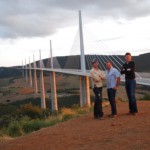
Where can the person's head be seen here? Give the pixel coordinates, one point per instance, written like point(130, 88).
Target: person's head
point(108, 65)
point(128, 57)
point(95, 63)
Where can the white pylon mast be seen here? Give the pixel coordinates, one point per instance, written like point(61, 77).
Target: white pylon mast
point(30, 73)
point(82, 57)
point(26, 72)
point(51, 55)
point(35, 77)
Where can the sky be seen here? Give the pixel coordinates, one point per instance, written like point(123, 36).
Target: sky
point(27, 26)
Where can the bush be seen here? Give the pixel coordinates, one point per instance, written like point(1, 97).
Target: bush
point(146, 97)
point(15, 129)
point(45, 113)
point(81, 111)
point(33, 125)
point(66, 117)
point(29, 110)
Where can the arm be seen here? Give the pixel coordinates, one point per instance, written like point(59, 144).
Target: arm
point(102, 76)
point(123, 71)
point(132, 67)
point(95, 77)
point(117, 83)
point(117, 74)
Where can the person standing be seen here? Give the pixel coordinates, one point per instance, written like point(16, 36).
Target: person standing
point(128, 69)
point(113, 80)
point(97, 76)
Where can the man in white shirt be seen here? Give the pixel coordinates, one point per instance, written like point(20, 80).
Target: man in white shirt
point(113, 80)
point(97, 77)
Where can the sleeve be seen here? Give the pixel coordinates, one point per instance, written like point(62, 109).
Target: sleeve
point(132, 68)
point(102, 76)
point(123, 71)
point(117, 73)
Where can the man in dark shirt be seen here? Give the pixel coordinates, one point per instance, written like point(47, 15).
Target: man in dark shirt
point(129, 70)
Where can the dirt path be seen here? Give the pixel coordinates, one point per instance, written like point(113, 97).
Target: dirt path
point(124, 132)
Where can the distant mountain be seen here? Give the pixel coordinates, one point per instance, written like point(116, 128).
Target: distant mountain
point(142, 62)
point(73, 62)
point(6, 72)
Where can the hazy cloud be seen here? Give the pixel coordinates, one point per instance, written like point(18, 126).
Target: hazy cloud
point(37, 18)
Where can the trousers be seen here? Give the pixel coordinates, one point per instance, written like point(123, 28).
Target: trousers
point(98, 102)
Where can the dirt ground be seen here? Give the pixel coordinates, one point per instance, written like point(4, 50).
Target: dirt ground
point(125, 132)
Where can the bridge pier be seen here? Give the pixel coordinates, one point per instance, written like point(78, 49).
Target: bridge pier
point(53, 92)
point(30, 74)
point(35, 83)
point(43, 103)
point(35, 77)
point(30, 77)
point(84, 91)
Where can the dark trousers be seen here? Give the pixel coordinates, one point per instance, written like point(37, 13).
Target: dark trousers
point(130, 89)
point(98, 102)
point(111, 96)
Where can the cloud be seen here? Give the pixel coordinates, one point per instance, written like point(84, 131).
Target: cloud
point(39, 18)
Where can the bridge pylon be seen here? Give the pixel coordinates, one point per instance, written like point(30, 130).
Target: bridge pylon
point(53, 84)
point(84, 81)
point(42, 89)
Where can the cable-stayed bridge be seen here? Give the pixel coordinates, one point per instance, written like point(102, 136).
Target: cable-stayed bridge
point(78, 63)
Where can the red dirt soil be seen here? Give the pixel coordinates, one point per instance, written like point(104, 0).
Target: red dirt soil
point(125, 132)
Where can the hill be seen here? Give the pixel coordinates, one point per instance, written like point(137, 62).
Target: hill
point(86, 133)
point(6, 72)
point(70, 62)
point(73, 62)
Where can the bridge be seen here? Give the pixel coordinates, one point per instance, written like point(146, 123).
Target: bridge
point(80, 66)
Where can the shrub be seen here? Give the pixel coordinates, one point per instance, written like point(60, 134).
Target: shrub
point(15, 129)
point(81, 111)
point(146, 97)
point(29, 110)
point(66, 117)
point(33, 125)
point(45, 113)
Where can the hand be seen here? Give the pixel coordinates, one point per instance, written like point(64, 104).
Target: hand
point(115, 88)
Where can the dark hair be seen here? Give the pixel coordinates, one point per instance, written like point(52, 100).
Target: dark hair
point(128, 54)
point(108, 61)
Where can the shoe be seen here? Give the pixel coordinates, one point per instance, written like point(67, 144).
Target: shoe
point(135, 114)
point(101, 118)
point(112, 116)
point(132, 113)
point(129, 113)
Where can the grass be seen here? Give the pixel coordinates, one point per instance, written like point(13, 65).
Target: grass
point(22, 117)
point(26, 125)
point(146, 97)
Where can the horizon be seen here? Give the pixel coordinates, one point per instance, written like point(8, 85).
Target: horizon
point(68, 56)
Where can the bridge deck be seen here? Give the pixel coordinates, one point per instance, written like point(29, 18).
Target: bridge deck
point(142, 81)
